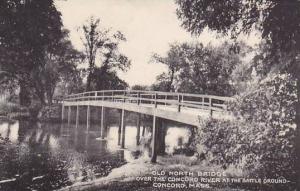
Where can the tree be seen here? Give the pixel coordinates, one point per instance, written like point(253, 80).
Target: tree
point(277, 21)
point(102, 45)
point(163, 83)
point(140, 87)
point(193, 68)
point(28, 30)
point(61, 66)
point(172, 61)
point(103, 79)
point(93, 40)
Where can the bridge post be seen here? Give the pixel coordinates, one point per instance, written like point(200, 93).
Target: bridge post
point(62, 112)
point(145, 126)
point(88, 112)
point(77, 116)
point(155, 97)
point(69, 115)
point(138, 131)
point(179, 102)
point(103, 125)
point(143, 131)
point(210, 107)
point(124, 96)
point(120, 129)
point(139, 98)
point(154, 141)
point(166, 97)
point(123, 129)
point(161, 136)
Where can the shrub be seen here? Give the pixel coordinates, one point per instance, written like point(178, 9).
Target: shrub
point(260, 140)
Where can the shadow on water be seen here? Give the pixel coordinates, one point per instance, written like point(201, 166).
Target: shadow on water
point(38, 156)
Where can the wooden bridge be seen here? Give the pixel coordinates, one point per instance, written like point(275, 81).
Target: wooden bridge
point(181, 107)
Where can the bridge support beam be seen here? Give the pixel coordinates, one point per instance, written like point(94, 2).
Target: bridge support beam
point(77, 116)
point(103, 122)
point(154, 140)
point(161, 136)
point(120, 128)
point(210, 107)
point(138, 130)
point(123, 125)
point(88, 117)
point(62, 112)
point(69, 115)
point(143, 131)
point(144, 126)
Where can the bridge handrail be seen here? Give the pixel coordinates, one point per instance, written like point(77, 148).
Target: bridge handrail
point(161, 92)
point(202, 101)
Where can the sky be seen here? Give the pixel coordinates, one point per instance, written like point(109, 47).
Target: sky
point(150, 26)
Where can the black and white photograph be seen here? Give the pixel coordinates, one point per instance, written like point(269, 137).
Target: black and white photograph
point(149, 95)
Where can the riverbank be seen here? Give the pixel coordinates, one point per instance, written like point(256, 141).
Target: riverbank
point(14, 111)
point(141, 175)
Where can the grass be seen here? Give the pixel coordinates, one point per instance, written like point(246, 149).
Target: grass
point(125, 177)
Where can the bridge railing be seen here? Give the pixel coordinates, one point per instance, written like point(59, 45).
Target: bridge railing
point(155, 99)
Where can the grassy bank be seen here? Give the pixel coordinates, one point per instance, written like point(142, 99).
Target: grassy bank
point(33, 112)
point(127, 177)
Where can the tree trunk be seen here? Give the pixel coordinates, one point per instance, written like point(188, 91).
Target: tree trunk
point(50, 98)
point(88, 82)
point(171, 81)
point(50, 93)
point(42, 98)
point(24, 94)
point(40, 92)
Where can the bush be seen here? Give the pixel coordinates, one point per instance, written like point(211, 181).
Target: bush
point(50, 113)
point(261, 139)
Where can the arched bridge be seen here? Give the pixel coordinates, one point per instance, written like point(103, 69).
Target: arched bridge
point(181, 107)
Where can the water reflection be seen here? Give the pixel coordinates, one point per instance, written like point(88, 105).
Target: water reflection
point(176, 139)
point(49, 156)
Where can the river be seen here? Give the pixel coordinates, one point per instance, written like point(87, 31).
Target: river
point(49, 156)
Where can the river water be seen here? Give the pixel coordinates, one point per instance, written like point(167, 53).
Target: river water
point(49, 156)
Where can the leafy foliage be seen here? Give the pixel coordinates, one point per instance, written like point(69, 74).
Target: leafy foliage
point(102, 45)
point(35, 50)
point(278, 21)
point(107, 80)
point(140, 87)
point(261, 139)
point(275, 107)
point(194, 68)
